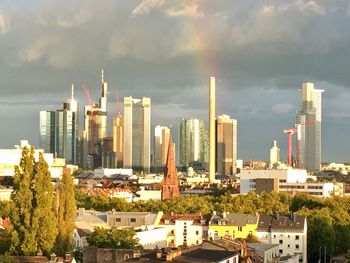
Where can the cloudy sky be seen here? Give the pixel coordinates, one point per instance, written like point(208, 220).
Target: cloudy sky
point(260, 52)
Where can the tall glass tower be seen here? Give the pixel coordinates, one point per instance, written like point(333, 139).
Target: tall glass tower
point(47, 131)
point(67, 130)
point(309, 118)
point(137, 133)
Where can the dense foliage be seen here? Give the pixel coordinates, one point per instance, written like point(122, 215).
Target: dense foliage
point(33, 224)
point(38, 220)
point(65, 213)
point(113, 238)
point(328, 218)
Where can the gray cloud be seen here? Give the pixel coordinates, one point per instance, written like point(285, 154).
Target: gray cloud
point(259, 51)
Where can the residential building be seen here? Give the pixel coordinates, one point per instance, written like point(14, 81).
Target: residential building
point(265, 253)
point(161, 143)
point(185, 230)
point(137, 132)
point(289, 232)
point(274, 155)
point(309, 119)
point(232, 225)
point(145, 224)
point(226, 145)
point(193, 141)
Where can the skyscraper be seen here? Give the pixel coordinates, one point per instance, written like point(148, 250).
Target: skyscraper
point(212, 129)
point(161, 143)
point(137, 133)
point(193, 141)
point(118, 139)
point(95, 124)
point(274, 155)
point(309, 118)
point(226, 145)
point(67, 130)
point(47, 131)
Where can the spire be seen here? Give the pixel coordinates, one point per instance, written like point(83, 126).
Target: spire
point(102, 77)
point(72, 97)
point(170, 186)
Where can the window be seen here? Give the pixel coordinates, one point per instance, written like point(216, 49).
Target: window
point(239, 229)
point(226, 233)
point(172, 232)
point(133, 220)
point(281, 251)
point(197, 232)
point(297, 246)
point(118, 220)
point(288, 245)
point(281, 241)
point(274, 236)
point(297, 237)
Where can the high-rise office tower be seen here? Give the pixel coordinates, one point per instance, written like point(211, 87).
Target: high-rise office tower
point(118, 139)
point(309, 118)
point(274, 155)
point(95, 124)
point(67, 130)
point(47, 131)
point(211, 129)
point(161, 143)
point(193, 141)
point(137, 133)
point(226, 145)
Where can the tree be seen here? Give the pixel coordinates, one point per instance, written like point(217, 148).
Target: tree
point(66, 213)
point(113, 238)
point(23, 231)
point(44, 216)
point(33, 224)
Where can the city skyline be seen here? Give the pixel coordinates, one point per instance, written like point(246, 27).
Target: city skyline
point(258, 75)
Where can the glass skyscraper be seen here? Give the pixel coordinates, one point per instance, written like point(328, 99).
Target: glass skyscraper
point(47, 131)
point(137, 133)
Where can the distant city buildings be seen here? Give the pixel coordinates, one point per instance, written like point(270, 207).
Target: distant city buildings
point(193, 141)
point(309, 118)
point(161, 144)
point(226, 145)
point(59, 130)
point(274, 155)
point(118, 139)
point(137, 133)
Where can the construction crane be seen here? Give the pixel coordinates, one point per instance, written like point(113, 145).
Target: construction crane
point(290, 132)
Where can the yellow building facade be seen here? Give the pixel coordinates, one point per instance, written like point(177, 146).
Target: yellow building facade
point(232, 225)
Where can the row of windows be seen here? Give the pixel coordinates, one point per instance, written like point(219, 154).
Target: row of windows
point(118, 220)
point(281, 235)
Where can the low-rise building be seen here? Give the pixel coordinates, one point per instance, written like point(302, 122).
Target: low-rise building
point(145, 224)
point(232, 225)
point(9, 158)
point(185, 230)
point(289, 180)
point(289, 232)
point(265, 253)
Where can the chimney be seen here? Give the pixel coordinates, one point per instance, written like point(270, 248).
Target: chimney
point(81, 211)
point(67, 256)
point(224, 215)
point(53, 257)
